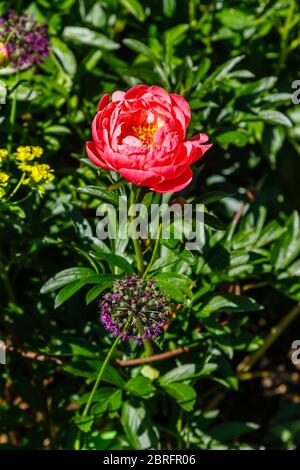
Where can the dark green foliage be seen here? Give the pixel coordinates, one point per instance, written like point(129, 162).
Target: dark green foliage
point(234, 61)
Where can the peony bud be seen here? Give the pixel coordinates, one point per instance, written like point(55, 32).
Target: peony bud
point(4, 55)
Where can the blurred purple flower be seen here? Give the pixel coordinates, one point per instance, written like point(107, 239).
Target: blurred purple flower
point(134, 309)
point(26, 41)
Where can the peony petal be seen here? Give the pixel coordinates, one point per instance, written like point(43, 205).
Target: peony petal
point(194, 147)
point(175, 184)
point(140, 177)
point(132, 141)
point(182, 104)
point(158, 93)
point(95, 156)
point(103, 102)
point(135, 92)
point(118, 95)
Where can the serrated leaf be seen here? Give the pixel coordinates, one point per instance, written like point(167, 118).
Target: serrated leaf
point(140, 386)
point(184, 394)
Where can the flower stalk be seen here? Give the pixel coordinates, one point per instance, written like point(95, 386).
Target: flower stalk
point(136, 243)
point(95, 388)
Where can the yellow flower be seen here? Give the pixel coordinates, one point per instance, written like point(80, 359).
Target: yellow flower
point(28, 153)
point(3, 179)
point(42, 173)
point(3, 155)
point(23, 166)
point(37, 175)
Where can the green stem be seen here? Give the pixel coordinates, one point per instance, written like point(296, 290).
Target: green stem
point(90, 260)
point(17, 187)
point(155, 249)
point(23, 199)
point(148, 348)
point(95, 387)
point(136, 244)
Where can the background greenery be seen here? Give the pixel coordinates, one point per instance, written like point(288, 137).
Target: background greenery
point(234, 61)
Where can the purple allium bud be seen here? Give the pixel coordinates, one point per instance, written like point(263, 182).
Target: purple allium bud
point(27, 42)
point(134, 309)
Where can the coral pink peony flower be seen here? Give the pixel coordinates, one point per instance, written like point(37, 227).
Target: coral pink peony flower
point(141, 135)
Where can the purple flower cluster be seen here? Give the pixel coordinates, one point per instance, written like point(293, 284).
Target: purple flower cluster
point(134, 309)
point(26, 41)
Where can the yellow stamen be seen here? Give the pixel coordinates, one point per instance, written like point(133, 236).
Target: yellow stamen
point(145, 133)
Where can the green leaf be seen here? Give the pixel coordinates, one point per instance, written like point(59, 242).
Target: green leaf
point(270, 233)
point(140, 386)
point(273, 140)
point(100, 440)
point(163, 262)
point(84, 423)
point(287, 247)
point(213, 222)
point(212, 196)
point(65, 56)
point(106, 399)
point(70, 289)
point(95, 291)
point(187, 371)
point(289, 287)
point(257, 87)
point(114, 260)
point(57, 130)
point(115, 401)
point(294, 269)
point(175, 35)
point(226, 303)
point(224, 69)
point(184, 394)
point(237, 138)
point(108, 196)
point(225, 432)
point(175, 286)
point(99, 396)
point(236, 19)
point(141, 48)
point(169, 7)
point(87, 161)
point(80, 35)
point(65, 277)
point(179, 249)
point(90, 368)
point(140, 431)
point(273, 117)
point(135, 8)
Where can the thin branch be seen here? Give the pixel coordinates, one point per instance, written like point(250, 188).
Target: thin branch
point(249, 361)
point(154, 357)
point(34, 356)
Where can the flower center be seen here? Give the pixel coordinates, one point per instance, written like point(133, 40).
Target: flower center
point(145, 133)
